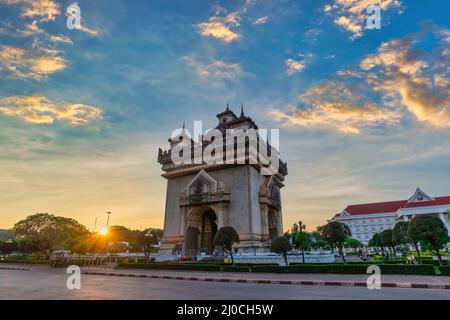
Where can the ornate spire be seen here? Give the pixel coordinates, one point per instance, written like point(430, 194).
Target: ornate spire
point(242, 110)
point(228, 106)
point(184, 124)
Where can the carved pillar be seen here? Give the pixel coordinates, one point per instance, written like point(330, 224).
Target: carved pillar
point(183, 221)
point(264, 209)
point(279, 223)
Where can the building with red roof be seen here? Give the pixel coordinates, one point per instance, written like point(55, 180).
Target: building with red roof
point(364, 220)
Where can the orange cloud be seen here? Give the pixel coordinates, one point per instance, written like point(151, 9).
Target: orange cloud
point(333, 106)
point(44, 10)
point(218, 29)
point(21, 63)
point(404, 77)
point(38, 109)
point(408, 76)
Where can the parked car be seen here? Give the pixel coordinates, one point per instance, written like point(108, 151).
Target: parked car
point(59, 258)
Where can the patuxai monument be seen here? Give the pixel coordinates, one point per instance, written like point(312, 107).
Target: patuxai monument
point(234, 189)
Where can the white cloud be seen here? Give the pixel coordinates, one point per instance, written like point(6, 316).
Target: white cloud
point(298, 64)
point(294, 66)
point(261, 20)
point(216, 69)
point(222, 25)
point(60, 38)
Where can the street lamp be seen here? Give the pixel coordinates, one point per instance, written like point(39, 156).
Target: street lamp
point(148, 238)
point(107, 221)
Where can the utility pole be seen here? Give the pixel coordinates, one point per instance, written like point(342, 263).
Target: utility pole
point(107, 221)
point(95, 224)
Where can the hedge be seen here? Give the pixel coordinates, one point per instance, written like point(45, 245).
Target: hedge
point(309, 268)
point(422, 269)
point(236, 269)
point(241, 264)
point(445, 270)
point(349, 269)
point(435, 262)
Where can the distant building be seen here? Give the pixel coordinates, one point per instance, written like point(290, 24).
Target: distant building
point(364, 220)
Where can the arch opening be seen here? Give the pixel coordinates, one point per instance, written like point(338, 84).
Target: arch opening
point(200, 232)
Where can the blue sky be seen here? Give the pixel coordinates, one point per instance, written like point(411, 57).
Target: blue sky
point(364, 114)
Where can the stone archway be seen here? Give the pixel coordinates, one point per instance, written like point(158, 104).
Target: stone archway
point(200, 232)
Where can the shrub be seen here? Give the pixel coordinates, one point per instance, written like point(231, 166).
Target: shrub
point(241, 264)
point(445, 270)
point(348, 269)
point(422, 269)
point(236, 269)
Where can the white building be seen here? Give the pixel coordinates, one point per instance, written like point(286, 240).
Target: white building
point(364, 220)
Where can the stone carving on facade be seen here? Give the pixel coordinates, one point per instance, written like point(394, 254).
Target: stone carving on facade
point(269, 193)
point(203, 189)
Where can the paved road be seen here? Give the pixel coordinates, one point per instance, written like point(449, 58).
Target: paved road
point(392, 278)
point(46, 283)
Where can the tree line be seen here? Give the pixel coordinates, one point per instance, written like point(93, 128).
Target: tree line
point(429, 231)
point(41, 233)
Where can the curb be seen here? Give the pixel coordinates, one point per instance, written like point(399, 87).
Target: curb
point(293, 282)
point(14, 268)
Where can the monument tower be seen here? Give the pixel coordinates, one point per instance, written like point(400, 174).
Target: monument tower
point(201, 198)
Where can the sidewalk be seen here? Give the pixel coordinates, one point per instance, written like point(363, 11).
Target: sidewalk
point(360, 280)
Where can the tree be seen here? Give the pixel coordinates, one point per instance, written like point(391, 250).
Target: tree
point(400, 232)
point(337, 232)
point(375, 241)
point(281, 245)
point(400, 236)
point(317, 241)
point(225, 238)
point(7, 247)
point(49, 231)
point(353, 243)
point(387, 240)
point(431, 229)
point(27, 245)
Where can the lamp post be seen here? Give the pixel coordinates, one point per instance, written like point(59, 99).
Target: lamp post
point(148, 238)
point(107, 229)
point(107, 221)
